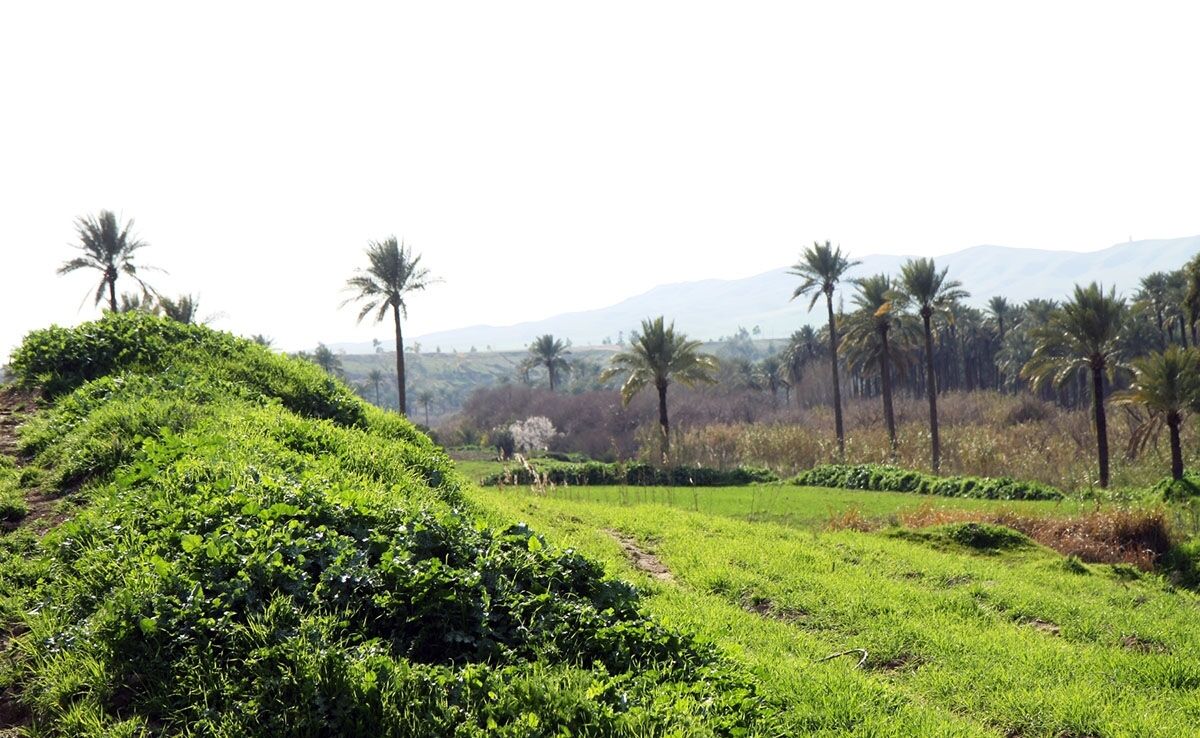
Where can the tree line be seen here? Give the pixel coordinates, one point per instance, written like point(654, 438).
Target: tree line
point(909, 332)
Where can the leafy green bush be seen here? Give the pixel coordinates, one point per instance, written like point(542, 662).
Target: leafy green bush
point(882, 478)
point(1173, 490)
point(984, 536)
point(635, 474)
point(258, 558)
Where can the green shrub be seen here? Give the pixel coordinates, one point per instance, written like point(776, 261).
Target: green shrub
point(261, 555)
point(1173, 490)
point(984, 536)
point(882, 478)
point(593, 473)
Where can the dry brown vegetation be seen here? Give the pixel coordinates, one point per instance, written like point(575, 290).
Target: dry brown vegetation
point(983, 434)
point(1138, 537)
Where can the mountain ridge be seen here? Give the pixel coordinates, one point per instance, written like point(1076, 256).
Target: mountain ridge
point(712, 307)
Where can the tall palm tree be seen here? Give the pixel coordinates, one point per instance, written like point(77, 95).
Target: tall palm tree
point(1002, 312)
point(1168, 385)
point(393, 273)
point(771, 376)
point(375, 377)
point(822, 266)
point(869, 337)
point(929, 293)
point(109, 248)
point(551, 353)
point(1083, 335)
point(660, 356)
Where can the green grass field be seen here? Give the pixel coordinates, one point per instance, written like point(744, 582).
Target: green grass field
point(960, 642)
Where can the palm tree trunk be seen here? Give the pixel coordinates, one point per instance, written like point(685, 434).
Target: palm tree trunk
point(399, 360)
point(931, 391)
point(426, 414)
point(112, 295)
point(550, 372)
point(664, 425)
point(885, 371)
point(1176, 447)
point(1183, 333)
point(837, 388)
point(1101, 422)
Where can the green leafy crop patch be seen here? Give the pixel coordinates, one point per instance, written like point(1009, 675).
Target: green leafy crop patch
point(262, 554)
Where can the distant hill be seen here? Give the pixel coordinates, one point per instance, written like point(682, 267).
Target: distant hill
point(711, 308)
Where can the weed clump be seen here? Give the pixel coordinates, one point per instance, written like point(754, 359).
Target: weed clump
point(883, 478)
point(261, 554)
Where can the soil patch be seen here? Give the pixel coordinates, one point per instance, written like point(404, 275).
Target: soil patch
point(642, 559)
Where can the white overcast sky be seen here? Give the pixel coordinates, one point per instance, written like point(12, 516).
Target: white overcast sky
point(556, 156)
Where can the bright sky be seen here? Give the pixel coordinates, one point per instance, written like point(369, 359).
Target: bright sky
point(556, 156)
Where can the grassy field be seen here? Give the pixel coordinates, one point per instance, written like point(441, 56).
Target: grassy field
point(779, 503)
point(1019, 642)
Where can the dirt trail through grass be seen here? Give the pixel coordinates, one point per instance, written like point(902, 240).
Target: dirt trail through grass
point(15, 406)
point(641, 559)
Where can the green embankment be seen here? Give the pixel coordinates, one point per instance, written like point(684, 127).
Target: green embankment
point(249, 550)
point(1013, 640)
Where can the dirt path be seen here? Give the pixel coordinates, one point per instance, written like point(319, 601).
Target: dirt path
point(644, 561)
point(15, 406)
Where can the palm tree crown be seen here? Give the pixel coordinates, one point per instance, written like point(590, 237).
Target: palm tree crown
point(108, 248)
point(551, 353)
point(658, 357)
point(393, 273)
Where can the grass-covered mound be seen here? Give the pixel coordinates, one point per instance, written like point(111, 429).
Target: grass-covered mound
point(881, 478)
point(260, 554)
point(1178, 490)
point(593, 473)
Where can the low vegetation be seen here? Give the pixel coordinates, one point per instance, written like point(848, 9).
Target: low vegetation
point(543, 472)
point(260, 553)
point(977, 632)
point(880, 478)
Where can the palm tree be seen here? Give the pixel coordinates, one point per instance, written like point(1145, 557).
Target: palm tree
point(262, 340)
point(393, 273)
point(1168, 385)
point(327, 360)
point(868, 337)
point(375, 377)
point(803, 347)
point(822, 266)
point(182, 310)
point(1154, 293)
point(1001, 311)
point(109, 249)
point(660, 356)
point(551, 353)
point(1082, 335)
point(425, 397)
point(929, 292)
point(771, 375)
point(132, 302)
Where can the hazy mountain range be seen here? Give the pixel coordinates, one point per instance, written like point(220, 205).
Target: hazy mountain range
point(711, 308)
